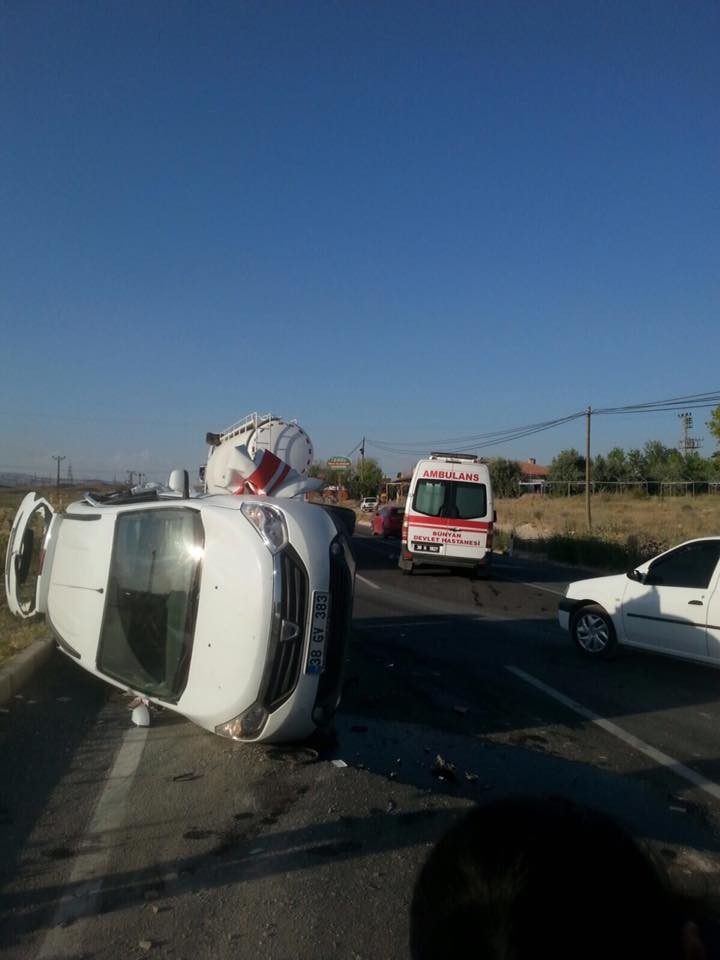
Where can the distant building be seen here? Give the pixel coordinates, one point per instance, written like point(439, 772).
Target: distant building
point(396, 489)
point(534, 476)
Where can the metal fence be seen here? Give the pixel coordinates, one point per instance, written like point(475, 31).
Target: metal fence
point(656, 488)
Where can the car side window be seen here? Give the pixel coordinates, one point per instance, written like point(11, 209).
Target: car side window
point(691, 566)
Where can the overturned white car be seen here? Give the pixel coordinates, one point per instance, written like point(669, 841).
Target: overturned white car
point(233, 610)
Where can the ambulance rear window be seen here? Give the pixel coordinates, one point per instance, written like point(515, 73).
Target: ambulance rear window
point(455, 499)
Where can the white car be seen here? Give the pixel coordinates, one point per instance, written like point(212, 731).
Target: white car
point(368, 505)
point(670, 605)
point(231, 610)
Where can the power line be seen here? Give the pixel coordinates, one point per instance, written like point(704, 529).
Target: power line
point(493, 438)
point(478, 442)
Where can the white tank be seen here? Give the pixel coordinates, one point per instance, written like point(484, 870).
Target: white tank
point(285, 438)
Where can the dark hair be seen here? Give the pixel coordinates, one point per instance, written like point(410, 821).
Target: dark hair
point(526, 877)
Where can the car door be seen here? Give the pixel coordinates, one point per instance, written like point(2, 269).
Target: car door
point(23, 561)
point(713, 615)
point(667, 611)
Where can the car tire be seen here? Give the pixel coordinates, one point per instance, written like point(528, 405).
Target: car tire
point(407, 571)
point(593, 632)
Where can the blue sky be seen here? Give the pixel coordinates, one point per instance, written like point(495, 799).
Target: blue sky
point(403, 220)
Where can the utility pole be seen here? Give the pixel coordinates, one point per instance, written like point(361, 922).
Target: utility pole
point(588, 515)
point(362, 461)
point(688, 443)
point(55, 457)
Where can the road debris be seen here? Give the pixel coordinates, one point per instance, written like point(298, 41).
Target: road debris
point(140, 715)
point(145, 945)
point(443, 769)
point(338, 763)
point(471, 777)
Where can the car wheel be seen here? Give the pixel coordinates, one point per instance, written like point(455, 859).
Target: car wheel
point(593, 632)
point(407, 571)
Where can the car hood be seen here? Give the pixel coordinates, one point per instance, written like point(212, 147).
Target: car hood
point(233, 622)
point(595, 587)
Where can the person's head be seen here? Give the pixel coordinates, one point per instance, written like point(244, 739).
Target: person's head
point(523, 877)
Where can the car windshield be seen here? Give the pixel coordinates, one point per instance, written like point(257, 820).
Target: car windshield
point(461, 501)
point(149, 621)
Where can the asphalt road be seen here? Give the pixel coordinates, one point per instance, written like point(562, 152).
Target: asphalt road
point(117, 842)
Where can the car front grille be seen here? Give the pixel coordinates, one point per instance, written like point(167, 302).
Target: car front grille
point(292, 592)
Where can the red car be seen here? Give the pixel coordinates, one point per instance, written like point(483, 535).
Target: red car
point(387, 522)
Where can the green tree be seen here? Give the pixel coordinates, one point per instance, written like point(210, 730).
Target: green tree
point(713, 424)
point(663, 463)
point(697, 468)
point(364, 481)
point(505, 476)
point(636, 465)
point(617, 465)
point(567, 465)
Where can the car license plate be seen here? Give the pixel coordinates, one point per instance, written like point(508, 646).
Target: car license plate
point(318, 632)
point(426, 547)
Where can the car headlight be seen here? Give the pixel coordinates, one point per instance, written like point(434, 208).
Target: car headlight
point(269, 523)
point(246, 726)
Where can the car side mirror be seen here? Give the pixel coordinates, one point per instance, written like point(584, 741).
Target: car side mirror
point(636, 575)
point(179, 482)
point(494, 516)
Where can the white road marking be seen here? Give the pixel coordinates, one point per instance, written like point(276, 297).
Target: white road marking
point(90, 867)
point(537, 586)
point(368, 583)
point(696, 779)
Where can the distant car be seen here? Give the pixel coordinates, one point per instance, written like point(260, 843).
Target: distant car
point(387, 522)
point(231, 610)
point(670, 605)
point(368, 504)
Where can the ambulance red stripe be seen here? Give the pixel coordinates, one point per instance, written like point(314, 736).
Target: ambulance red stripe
point(439, 522)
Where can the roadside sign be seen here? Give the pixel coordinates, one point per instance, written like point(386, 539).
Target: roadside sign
point(339, 463)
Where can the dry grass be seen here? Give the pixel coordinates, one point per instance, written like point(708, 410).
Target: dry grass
point(666, 520)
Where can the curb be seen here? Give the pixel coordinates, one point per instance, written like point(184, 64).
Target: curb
point(20, 668)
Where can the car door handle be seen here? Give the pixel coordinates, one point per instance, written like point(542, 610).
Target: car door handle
point(695, 603)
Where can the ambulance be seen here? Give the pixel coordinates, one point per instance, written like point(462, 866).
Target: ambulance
point(449, 514)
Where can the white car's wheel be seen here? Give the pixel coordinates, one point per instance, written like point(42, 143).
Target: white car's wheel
point(593, 632)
